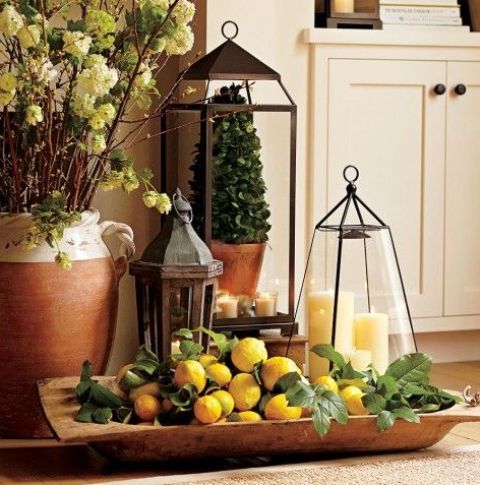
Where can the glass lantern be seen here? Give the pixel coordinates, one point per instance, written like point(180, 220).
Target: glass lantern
point(353, 292)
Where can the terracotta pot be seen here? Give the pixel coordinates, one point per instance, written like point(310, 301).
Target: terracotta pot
point(51, 320)
point(242, 265)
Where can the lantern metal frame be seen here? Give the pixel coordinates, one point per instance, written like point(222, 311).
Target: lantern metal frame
point(230, 62)
point(353, 231)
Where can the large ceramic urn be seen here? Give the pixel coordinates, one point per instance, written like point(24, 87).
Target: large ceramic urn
point(52, 319)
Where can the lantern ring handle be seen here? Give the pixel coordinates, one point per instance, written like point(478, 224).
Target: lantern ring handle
point(354, 178)
point(190, 211)
point(231, 37)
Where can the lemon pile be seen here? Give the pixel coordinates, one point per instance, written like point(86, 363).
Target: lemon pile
point(242, 387)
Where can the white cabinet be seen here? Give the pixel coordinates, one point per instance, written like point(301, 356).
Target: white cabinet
point(373, 104)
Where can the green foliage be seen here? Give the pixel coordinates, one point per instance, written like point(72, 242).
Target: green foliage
point(239, 210)
point(402, 393)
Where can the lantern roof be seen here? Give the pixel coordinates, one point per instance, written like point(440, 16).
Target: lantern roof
point(178, 244)
point(229, 61)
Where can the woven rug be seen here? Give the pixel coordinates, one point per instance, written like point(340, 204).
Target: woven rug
point(454, 466)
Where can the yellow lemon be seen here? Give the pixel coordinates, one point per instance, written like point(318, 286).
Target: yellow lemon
point(349, 391)
point(152, 388)
point(207, 359)
point(278, 408)
point(274, 368)
point(221, 421)
point(248, 352)
point(190, 372)
point(147, 407)
point(245, 391)
point(226, 401)
point(207, 409)
point(355, 405)
point(219, 373)
point(327, 382)
point(251, 416)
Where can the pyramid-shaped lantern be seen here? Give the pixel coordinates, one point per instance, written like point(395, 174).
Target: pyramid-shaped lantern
point(353, 295)
point(193, 127)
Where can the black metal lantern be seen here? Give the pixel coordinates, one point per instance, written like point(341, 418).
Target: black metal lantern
point(182, 121)
point(175, 282)
point(353, 294)
point(354, 14)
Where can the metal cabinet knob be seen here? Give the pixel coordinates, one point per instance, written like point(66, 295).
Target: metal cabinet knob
point(439, 89)
point(460, 89)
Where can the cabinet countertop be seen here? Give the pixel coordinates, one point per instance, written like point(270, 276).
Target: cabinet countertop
point(396, 38)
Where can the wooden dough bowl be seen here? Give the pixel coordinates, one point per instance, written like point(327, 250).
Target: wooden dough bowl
point(266, 438)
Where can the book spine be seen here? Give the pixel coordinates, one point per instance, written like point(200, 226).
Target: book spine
point(420, 3)
point(428, 28)
point(420, 19)
point(414, 10)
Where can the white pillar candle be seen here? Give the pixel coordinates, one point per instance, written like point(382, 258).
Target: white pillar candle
point(228, 306)
point(320, 320)
point(266, 304)
point(360, 359)
point(344, 6)
point(175, 347)
point(371, 333)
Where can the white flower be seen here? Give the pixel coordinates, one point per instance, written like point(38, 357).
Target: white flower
point(6, 98)
point(34, 114)
point(29, 36)
point(8, 82)
point(164, 204)
point(94, 60)
point(41, 68)
point(180, 41)
point(96, 81)
point(183, 12)
point(158, 44)
point(106, 112)
point(143, 79)
point(150, 198)
point(10, 21)
point(76, 43)
point(96, 122)
point(84, 106)
point(98, 143)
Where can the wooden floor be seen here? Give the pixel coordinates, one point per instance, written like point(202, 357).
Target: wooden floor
point(45, 462)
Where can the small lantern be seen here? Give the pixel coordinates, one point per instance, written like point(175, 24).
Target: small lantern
point(175, 281)
point(270, 304)
point(354, 14)
point(353, 292)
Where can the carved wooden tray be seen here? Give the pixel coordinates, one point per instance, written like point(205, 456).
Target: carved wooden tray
point(141, 444)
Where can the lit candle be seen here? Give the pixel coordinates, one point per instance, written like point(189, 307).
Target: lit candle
point(266, 304)
point(371, 333)
point(228, 306)
point(344, 6)
point(320, 319)
point(360, 359)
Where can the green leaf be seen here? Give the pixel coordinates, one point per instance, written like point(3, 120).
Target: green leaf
point(321, 420)
point(146, 365)
point(185, 333)
point(286, 381)
point(263, 402)
point(86, 371)
point(104, 397)
point(407, 414)
point(357, 382)
point(82, 391)
point(84, 414)
point(144, 354)
point(385, 420)
point(301, 395)
point(184, 397)
point(335, 406)
point(328, 352)
point(411, 368)
point(131, 380)
point(386, 385)
point(102, 415)
point(190, 349)
point(375, 403)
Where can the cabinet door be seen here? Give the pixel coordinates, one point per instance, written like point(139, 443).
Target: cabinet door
point(462, 232)
point(385, 118)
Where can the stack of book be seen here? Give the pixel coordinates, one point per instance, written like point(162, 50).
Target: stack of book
point(422, 15)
